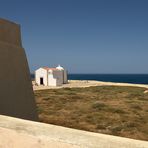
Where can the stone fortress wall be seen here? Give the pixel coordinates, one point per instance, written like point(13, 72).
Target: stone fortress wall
point(18, 133)
point(16, 94)
point(10, 33)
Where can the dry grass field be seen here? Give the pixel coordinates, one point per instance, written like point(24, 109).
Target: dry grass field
point(115, 110)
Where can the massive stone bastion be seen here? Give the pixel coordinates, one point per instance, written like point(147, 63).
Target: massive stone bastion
point(16, 94)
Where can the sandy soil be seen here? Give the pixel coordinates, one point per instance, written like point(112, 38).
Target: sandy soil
point(86, 83)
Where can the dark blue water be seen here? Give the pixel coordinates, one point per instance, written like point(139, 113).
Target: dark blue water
point(121, 78)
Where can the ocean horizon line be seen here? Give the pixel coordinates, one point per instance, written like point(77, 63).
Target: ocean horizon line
point(108, 73)
point(104, 73)
point(118, 78)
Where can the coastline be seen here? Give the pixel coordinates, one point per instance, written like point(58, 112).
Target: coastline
point(87, 83)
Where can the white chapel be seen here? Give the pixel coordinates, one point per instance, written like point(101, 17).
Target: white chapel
point(51, 76)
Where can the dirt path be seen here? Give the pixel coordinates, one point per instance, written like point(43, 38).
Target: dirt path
point(87, 83)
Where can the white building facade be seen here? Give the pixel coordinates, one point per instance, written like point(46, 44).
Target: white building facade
point(51, 76)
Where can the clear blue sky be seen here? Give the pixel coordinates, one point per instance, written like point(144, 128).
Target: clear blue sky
point(85, 36)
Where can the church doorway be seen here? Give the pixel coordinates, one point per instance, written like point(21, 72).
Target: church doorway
point(41, 81)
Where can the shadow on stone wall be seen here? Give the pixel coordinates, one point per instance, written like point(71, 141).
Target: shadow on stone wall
point(16, 94)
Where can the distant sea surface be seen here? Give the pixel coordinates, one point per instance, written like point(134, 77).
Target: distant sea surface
point(121, 78)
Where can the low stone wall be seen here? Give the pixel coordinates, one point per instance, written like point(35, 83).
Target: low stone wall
point(18, 133)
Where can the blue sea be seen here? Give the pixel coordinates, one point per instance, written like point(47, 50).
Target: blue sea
point(121, 78)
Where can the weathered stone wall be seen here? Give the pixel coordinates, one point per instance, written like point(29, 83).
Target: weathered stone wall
point(16, 94)
point(17, 133)
point(10, 32)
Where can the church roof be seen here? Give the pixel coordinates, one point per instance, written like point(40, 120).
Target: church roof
point(47, 68)
point(59, 67)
